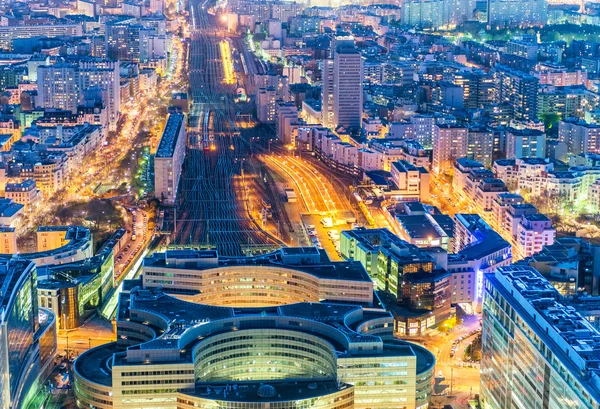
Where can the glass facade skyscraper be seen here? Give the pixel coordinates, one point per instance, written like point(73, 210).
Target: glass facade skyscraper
point(536, 351)
point(20, 331)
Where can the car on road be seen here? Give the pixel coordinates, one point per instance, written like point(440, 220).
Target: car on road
point(327, 222)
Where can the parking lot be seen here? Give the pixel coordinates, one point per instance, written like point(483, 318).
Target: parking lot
point(324, 235)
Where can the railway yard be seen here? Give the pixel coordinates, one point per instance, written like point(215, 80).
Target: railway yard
point(232, 191)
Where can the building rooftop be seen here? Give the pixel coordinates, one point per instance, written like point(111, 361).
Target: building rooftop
point(506, 162)
point(526, 132)
point(27, 184)
point(572, 339)
point(170, 135)
point(182, 318)
point(445, 222)
point(534, 161)
point(471, 221)
point(536, 217)
point(9, 208)
point(95, 363)
point(467, 164)
point(80, 239)
point(379, 177)
point(318, 264)
point(11, 272)
point(418, 226)
point(404, 166)
point(271, 391)
point(489, 242)
point(564, 175)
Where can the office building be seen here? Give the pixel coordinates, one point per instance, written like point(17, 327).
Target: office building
point(28, 334)
point(286, 335)
point(265, 105)
point(405, 275)
point(411, 181)
point(537, 350)
point(424, 226)
point(478, 250)
point(58, 86)
point(411, 282)
point(480, 145)
point(509, 13)
point(462, 170)
point(123, 40)
point(25, 193)
point(570, 264)
point(519, 90)
point(327, 95)
point(579, 136)
point(9, 33)
point(450, 142)
point(169, 157)
point(423, 127)
point(534, 231)
point(191, 274)
point(525, 143)
point(348, 87)
point(74, 291)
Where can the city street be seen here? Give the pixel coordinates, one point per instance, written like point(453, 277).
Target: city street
point(463, 377)
point(95, 332)
point(318, 198)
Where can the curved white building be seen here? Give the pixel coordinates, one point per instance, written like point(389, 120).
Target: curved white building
point(291, 275)
point(175, 354)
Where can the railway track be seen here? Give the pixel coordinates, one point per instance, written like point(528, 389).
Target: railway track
point(212, 209)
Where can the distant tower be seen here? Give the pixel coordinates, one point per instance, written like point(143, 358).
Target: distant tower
point(348, 88)
point(327, 94)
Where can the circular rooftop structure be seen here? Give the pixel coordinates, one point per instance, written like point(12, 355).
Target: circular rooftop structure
point(266, 391)
point(196, 355)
